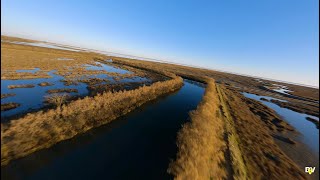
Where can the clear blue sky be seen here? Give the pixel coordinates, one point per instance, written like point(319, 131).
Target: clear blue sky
point(276, 39)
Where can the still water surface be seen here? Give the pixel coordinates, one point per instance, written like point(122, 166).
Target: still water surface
point(308, 130)
point(33, 98)
point(137, 146)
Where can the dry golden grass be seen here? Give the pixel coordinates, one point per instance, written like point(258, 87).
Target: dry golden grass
point(136, 72)
point(45, 84)
point(7, 95)
point(262, 156)
point(21, 57)
point(242, 81)
point(10, 38)
point(235, 161)
point(225, 140)
point(79, 71)
point(200, 142)
point(21, 86)
point(62, 90)
point(12, 75)
point(100, 88)
point(40, 130)
point(57, 99)
point(8, 106)
point(17, 57)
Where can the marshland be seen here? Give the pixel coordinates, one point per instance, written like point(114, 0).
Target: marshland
point(71, 113)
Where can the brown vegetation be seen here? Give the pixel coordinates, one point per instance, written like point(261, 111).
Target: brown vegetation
point(15, 57)
point(43, 129)
point(100, 88)
point(21, 86)
point(262, 157)
point(297, 105)
point(62, 90)
point(13, 75)
point(307, 92)
point(289, 94)
point(68, 82)
point(93, 81)
point(57, 99)
point(314, 121)
point(7, 95)
point(200, 142)
point(8, 106)
point(10, 38)
point(301, 108)
point(267, 116)
point(249, 150)
point(284, 139)
point(229, 136)
point(45, 84)
point(242, 83)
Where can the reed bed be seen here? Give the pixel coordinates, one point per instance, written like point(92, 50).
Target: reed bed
point(40, 130)
point(7, 95)
point(21, 86)
point(225, 140)
point(200, 142)
point(12, 75)
point(262, 157)
point(62, 90)
point(45, 84)
point(8, 106)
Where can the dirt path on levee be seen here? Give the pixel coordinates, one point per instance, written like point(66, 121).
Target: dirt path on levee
point(251, 151)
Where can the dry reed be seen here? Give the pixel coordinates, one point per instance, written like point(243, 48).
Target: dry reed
point(40, 130)
point(200, 142)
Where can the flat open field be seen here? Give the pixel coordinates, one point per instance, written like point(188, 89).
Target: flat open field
point(138, 119)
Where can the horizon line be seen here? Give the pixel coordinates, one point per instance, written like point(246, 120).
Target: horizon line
point(169, 62)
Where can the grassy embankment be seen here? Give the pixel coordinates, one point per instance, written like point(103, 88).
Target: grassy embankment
point(225, 140)
point(209, 142)
point(264, 159)
point(40, 130)
point(200, 142)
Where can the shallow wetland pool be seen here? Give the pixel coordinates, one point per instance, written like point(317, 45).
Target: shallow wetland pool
point(308, 130)
point(33, 98)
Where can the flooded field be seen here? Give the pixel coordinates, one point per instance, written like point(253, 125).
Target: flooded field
point(308, 130)
point(137, 146)
point(33, 97)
